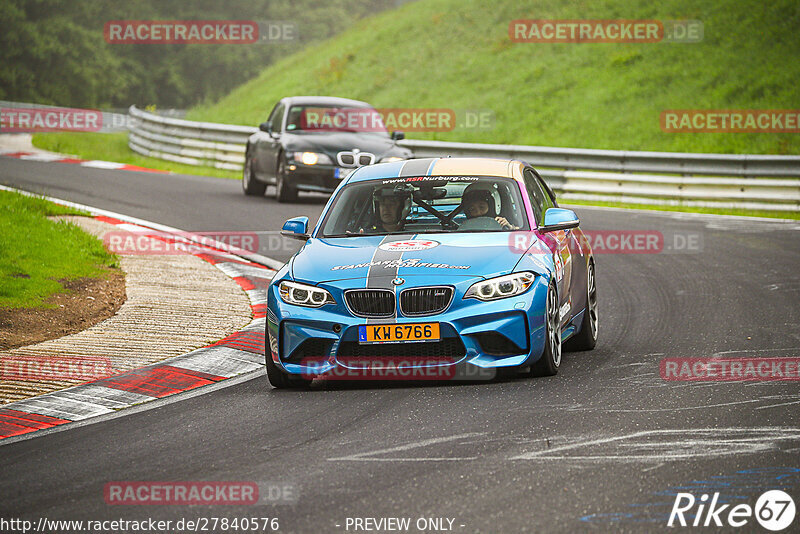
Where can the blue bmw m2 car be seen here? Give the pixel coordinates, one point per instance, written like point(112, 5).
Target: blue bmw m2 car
point(433, 265)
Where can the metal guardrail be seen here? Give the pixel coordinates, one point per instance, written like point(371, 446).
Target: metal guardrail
point(193, 143)
point(764, 182)
point(622, 160)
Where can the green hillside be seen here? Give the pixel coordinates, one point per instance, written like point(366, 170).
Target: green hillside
point(457, 54)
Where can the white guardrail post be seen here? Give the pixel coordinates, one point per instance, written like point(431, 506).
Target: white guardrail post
point(762, 182)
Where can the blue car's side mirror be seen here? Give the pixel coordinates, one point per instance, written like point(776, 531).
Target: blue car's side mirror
point(559, 219)
point(296, 228)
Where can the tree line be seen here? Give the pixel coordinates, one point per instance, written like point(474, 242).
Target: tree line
point(54, 51)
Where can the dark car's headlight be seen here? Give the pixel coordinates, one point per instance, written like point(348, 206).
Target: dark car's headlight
point(501, 287)
point(311, 158)
point(304, 295)
point(390, 159)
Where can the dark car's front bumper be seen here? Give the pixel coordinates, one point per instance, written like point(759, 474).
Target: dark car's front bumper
point(320, 178)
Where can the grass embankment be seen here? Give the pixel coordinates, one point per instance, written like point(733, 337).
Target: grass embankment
point(457, 54)
point(36, 252)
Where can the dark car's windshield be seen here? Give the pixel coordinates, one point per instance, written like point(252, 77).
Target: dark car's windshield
point(426, 204)
point(312, 118)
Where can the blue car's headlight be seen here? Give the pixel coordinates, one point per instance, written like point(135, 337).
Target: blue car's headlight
point(501, 287)
point(304, 295)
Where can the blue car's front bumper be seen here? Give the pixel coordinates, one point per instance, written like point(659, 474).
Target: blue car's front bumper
point(504, 333)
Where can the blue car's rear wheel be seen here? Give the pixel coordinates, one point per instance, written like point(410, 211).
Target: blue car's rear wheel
point(550, 361)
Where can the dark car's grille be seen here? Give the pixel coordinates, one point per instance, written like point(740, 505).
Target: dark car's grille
point(355, 159)
point(370, 302)
point(448, 348)
point(425, 300)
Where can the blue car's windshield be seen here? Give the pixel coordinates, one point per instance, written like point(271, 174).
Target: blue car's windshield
point(426, 204)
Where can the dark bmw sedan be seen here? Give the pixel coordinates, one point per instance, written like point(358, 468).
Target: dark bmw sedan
point(311, 143)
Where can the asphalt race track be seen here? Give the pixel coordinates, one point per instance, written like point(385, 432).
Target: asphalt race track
point(600, 447)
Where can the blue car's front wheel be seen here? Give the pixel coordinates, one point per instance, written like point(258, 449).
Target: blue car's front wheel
point(282, 380)
point(550, 361)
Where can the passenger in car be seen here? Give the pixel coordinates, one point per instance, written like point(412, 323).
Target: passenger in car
point(479, 200)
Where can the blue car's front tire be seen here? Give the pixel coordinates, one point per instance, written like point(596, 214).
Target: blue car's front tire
point(550, 361)
point(282, 380)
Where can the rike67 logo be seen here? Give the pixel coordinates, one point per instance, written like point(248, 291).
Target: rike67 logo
point(409, 246)
point(774, 510)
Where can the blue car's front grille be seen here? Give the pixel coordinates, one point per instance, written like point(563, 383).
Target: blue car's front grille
point(425, 300)
point(370, 302)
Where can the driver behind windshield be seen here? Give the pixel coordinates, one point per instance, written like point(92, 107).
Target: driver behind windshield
point(391, 206)
point(481, 200)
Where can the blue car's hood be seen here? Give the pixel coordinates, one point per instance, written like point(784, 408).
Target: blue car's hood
point(458, 254)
